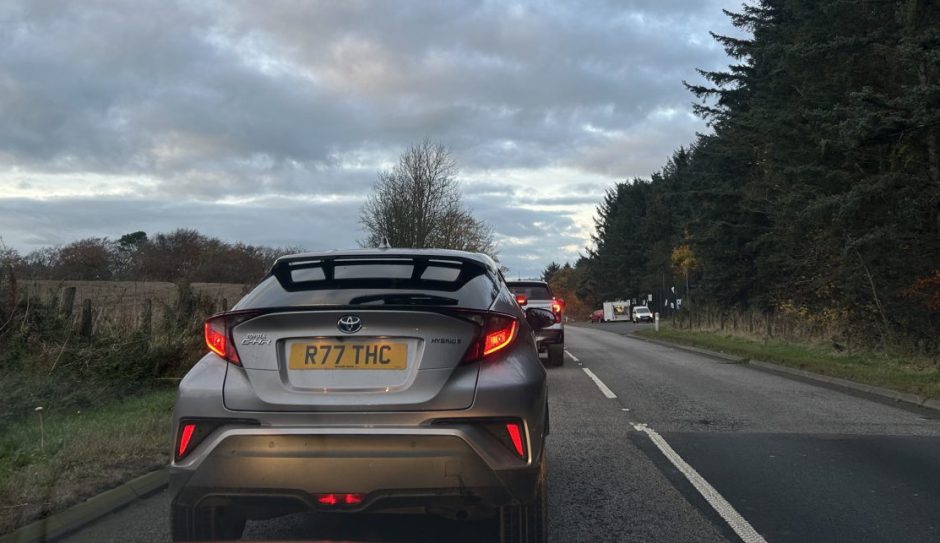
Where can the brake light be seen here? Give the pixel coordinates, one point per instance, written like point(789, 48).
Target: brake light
point(215, 338)
point(514, 429)
point(218, 332)
point(500, 338)
point(498, 332)
point(521, 299)
point(186, 436)
point(557, 307)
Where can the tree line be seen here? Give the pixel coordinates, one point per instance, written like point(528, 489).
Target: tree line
point(818, 190)
point(179, 256)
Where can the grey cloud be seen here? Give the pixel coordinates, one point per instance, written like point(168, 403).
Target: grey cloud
point(246, 99)
point(111, 86)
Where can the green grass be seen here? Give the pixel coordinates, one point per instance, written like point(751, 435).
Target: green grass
point(921, 377)
point(85, 453)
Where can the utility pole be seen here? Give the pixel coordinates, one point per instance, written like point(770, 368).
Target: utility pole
point(662, 295)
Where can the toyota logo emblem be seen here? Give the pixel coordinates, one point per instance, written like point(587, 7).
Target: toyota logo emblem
point(349, 324)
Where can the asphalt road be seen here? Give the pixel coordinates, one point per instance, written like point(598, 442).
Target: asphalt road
point(688, 449)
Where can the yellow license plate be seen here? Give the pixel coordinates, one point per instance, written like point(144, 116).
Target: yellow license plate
point(347, 355)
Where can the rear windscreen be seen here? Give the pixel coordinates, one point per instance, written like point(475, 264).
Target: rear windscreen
point(534, 291)
point(375, 282)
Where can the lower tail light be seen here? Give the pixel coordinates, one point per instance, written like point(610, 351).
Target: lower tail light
point(192, 432)
point(498, 332)
point(190, 435)
point(218, 331)
point(186, 437)
point(514, 429)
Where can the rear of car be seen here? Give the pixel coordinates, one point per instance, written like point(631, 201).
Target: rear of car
point(373, 380)
point(538, 294)
point(597, 316)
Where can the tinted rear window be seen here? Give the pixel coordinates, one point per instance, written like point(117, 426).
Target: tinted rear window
point(375, 282)
point(532, 291)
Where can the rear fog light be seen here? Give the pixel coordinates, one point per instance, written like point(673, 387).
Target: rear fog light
point(340, 498)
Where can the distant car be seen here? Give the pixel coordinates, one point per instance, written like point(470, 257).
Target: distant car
point(642, 313)
point(552, 338)
point(597, 316)
point(366, 381)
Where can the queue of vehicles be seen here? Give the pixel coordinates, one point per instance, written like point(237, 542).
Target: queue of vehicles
point(620, 310)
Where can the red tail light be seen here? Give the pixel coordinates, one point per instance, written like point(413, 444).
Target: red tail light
point(498, 332)
point(558, 306)
point(218, 333)
point(521, 299)
point(514, 429)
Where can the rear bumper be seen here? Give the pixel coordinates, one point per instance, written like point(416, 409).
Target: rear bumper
point(267, 471)
point(550, 336)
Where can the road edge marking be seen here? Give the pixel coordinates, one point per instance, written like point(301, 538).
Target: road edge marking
point(739, 524)
point(600, 384)
point(573, 357)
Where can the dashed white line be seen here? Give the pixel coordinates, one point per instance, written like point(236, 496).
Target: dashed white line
point(600, 384)
point(742, 527)
point(573, 357)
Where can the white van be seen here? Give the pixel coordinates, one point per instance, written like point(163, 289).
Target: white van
point(641, 313)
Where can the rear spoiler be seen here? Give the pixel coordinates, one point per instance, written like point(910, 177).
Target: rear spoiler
point(285, 267)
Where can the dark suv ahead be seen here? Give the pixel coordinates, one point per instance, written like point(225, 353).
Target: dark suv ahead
point(539, 294)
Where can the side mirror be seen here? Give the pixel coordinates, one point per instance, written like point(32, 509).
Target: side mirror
point(539, 318)
point(521, 300)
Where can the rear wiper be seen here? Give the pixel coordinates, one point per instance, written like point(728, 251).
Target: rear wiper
point(403, 299)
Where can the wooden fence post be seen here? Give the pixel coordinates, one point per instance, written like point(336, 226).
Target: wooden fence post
point(85, 329)
point(146, 319)
point(184, 308)
point(68, 302)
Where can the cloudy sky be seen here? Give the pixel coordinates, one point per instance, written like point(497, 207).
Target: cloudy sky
point(266, 122)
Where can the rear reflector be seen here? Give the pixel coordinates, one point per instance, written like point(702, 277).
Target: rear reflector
point(514, 430)
point(340, 499)
point(193, 431)
point(186, 436)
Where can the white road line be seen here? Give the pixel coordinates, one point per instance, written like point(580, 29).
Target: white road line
point(600, 384)
point(573, 357)
point(743, 528)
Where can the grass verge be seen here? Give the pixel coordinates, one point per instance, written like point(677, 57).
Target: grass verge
point(84, 453)
point(896, 373)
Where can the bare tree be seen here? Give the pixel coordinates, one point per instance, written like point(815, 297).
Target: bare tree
point(417, 204)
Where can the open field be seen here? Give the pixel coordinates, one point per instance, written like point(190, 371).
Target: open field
point(123, 302)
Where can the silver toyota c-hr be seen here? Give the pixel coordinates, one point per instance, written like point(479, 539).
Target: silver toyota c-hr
point(362, 381)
